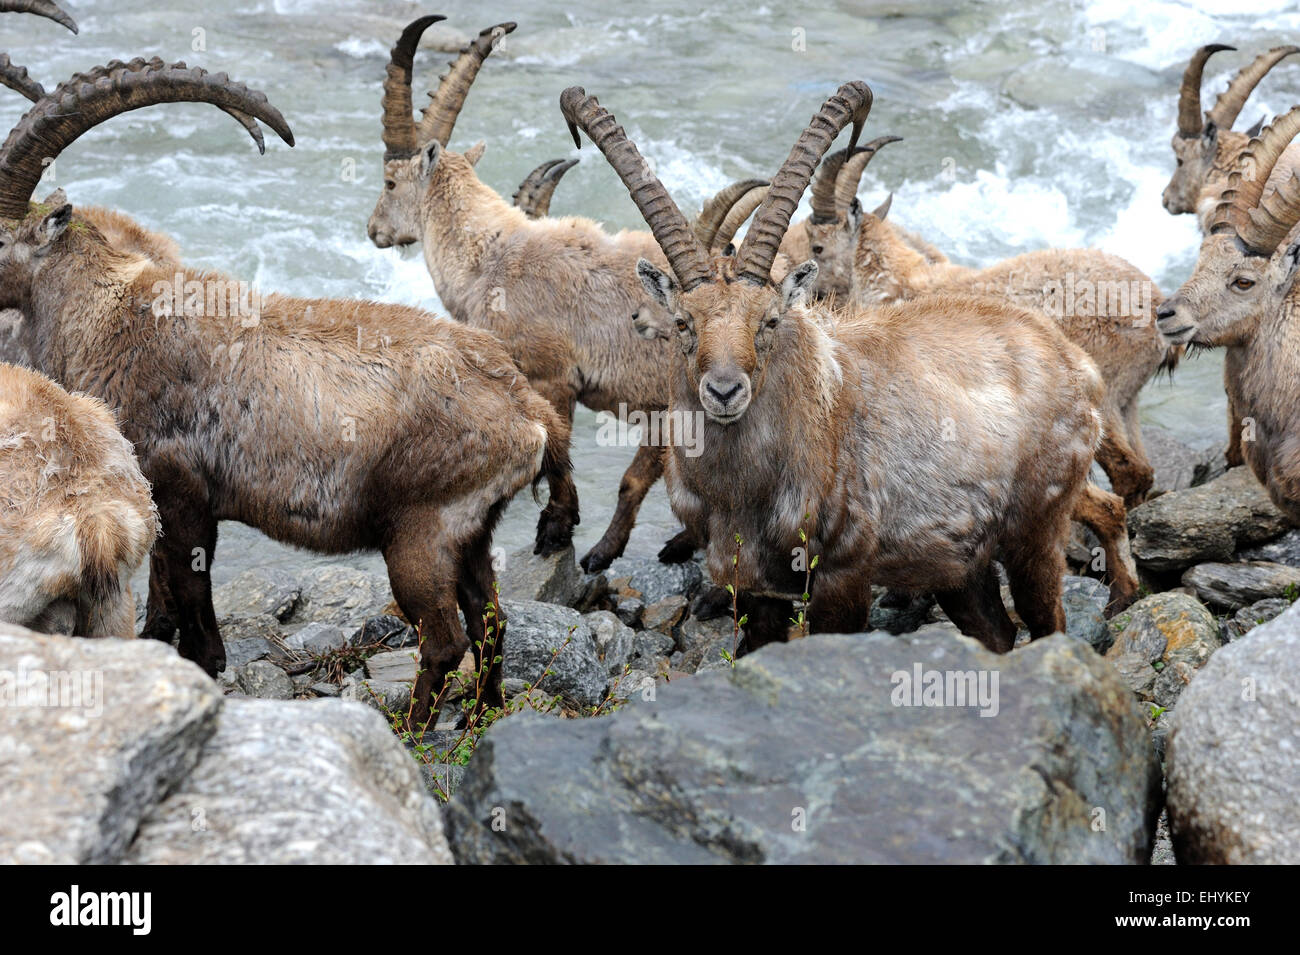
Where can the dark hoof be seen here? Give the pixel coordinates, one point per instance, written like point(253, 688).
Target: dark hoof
point(711, 604)
point(554, 533)
point(599, 558)
point(678, 550)
point(895, 600)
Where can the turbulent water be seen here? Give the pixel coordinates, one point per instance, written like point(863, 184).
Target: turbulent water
point(1025, 125)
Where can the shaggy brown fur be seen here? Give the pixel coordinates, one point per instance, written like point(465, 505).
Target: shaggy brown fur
point(76, 518)
point(331, 425)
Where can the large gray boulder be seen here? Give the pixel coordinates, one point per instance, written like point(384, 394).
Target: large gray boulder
point(1161, 641)
point(322, 782)
point(1234, 758)
point(92, 733)
point(1206, 523)
point(800, 754)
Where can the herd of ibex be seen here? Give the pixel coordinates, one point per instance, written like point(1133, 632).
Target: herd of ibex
point(908, 421)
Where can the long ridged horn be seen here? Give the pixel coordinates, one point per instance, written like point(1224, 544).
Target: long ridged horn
point(1261, 223)
point(850, 104)
point(1190, 120)
point(823, 186)
point(1228, 106)
point(535, 192)
point(400, 140)
point(736, 217)
point(685, 255)
point(846, 183)
point(710, 219)
point(42, 8)
point(87, 100)
point(439, 118)
point(15, 77)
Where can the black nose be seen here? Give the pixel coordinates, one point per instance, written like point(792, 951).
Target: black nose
point(1166, 310)
point(722, 397)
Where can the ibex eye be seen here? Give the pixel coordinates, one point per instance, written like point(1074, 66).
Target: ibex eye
point(389, 184)
point(681, 325)
point(1243, 284)
point(818, 249)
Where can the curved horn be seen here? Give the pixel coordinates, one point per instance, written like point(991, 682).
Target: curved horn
point(15, 77)
point(823, 186)
point(87, 100)
point(534, 194)
point(709, 220)
point(736, 217)
point(1261, 223)
point(439, 117)
point(42, 8)
point(1190, 120)
point(686, 257)
point(846, 183)
point(850, 104)
point(399, 124)
point(1228, 106)
point(882, 210)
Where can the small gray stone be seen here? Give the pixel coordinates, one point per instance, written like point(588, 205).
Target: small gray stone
point(654, 580)
point(1085, 601)
point(553, 579)
point(389, 698)
point(261, 591)
point(325, 689)
point(898, 612)
point(393, 666)
point(263, 680)
point(342, 595)
point(630, 610)
point(1284, 550)
point(664, 615)
point(1247, 618)
point(536, 635)
point(1235, 585)
point(316, 639)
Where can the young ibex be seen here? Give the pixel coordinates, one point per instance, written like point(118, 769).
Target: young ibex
point(912, 445)
point(1242, 297)
point(1205, 146)
point(332, 425)
point(76, 518)
point(1102, 303)
point(558, 292)
point(827, 236)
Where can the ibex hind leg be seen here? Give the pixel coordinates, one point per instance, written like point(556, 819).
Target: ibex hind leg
point(424, 571)
point(160, 611)
point(978, 611)
point(640, 476)
point(1034, 570)
point(187, 544)
point(768, 621)
point(474, 593)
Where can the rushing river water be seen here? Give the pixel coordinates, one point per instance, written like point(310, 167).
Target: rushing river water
point(1025, 126)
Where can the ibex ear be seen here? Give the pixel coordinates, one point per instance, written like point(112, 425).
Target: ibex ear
point(1286, 265)
point(429, 157)
point(882, 210)
point(52, 226)
point(853, 216)
point(475, 153)
point(798, 285)
point(1211, 131)
point(663, 288)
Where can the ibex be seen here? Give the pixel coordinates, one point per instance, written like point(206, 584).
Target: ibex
point(76, 518)
point(534, 193)
point(331, 425)
point(1207, 150)
point(558, 292)
point(1242, 297)
point(1103, 304)
point(911, 445)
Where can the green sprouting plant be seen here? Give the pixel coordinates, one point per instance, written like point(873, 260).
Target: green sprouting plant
point(1292, 592)
point(1157, 711)
point(737, 621)
point(801, 619)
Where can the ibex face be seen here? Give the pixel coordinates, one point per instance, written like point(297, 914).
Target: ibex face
point(1194, 156)
point(1230, 290)
point(396, 219)
point(25, 246)
point(885, 268)
point(727, 332)
point(832, 246)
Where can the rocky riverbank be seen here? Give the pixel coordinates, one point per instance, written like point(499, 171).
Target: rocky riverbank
point(630, 736)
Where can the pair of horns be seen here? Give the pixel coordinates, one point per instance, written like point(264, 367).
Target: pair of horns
point(402, 137)
point(42, 8)
point(836, 184)
point(88, 99)
point(687, 257)
point(535, 192)
point(1261, 222)
point(1230, 102)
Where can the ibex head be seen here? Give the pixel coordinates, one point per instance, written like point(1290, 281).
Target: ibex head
point(32, 234)
point(1248, 260)
point(836, 214)
point(413, 151)
point(730, 321)
point(1196, 143)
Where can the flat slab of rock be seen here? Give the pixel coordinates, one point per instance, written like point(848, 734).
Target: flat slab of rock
point(554, 579)
point(128, 720)
point(1234, 753)
point(800, 754)
point(1242, 583)
point(1206, 523)
point(322, 782)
